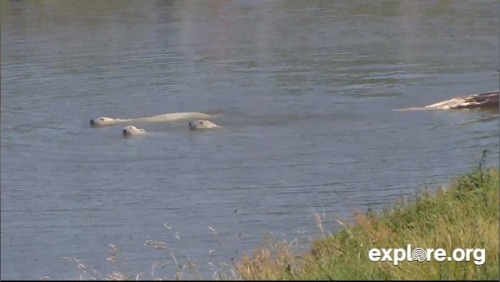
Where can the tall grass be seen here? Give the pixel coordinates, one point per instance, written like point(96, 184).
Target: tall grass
point(463, 215)
point(175, 264)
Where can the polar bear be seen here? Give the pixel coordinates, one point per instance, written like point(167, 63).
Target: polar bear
point(202, 124)
point(132, 131)
point(183, 116)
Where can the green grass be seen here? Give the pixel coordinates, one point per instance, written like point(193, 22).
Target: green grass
point(464, 214)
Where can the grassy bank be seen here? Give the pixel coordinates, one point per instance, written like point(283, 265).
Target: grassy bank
point(463, 215)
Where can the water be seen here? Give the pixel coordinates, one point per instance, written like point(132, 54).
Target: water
point(306, 88)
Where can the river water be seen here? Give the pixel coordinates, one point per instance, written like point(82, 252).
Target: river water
point(306, 89)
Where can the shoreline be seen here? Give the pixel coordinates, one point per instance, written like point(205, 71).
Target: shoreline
point(461, 217)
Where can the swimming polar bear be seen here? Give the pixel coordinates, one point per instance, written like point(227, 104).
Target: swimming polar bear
point(183, 116)
point(132, 131)
point(202, 124)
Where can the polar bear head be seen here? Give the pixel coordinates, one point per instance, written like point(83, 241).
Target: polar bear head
point(102, 121)
point(202, 124)
point(130, 131)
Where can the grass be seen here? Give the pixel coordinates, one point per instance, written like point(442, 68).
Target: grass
point(463, 215)
point(178, 267)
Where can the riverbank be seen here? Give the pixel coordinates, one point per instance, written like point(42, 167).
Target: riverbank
point(464, 215)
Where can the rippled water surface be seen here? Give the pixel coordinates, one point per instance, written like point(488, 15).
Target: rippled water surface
point(306, 89)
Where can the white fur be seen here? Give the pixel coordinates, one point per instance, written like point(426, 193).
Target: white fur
point(202, 124)
point(131, 131)
point(107, 121)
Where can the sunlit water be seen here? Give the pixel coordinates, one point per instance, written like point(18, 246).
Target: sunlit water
point(307, 89)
